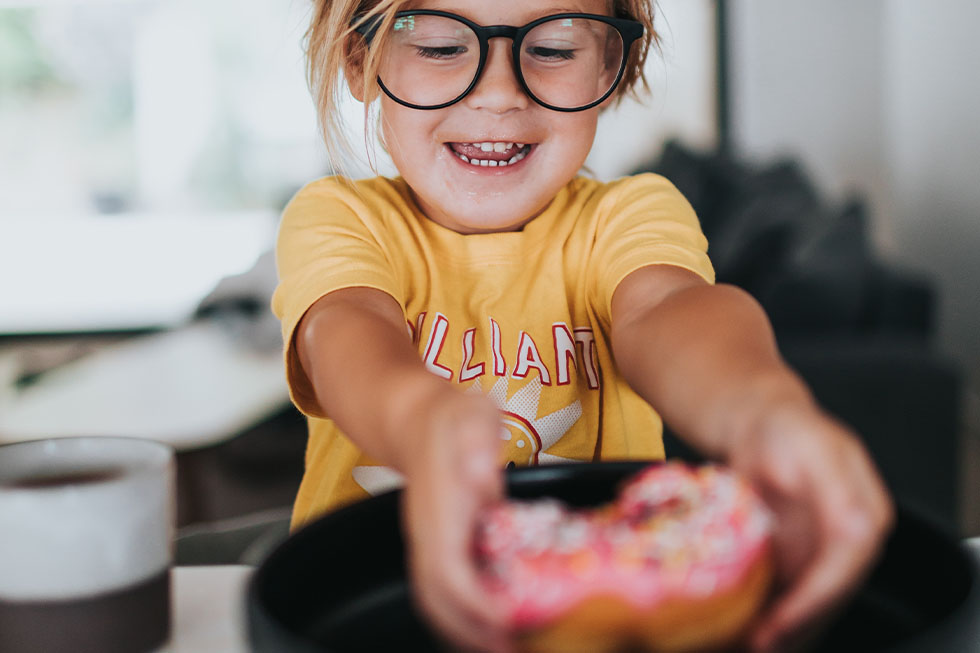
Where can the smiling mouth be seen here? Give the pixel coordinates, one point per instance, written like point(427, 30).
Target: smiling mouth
point(492, 154)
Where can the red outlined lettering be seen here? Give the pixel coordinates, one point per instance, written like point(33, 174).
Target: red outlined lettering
point(467, 372)
point(585, 339)
point(417, 331)
point(437, 338)
point(499, 364)
point(528, 357)
point(564, 352)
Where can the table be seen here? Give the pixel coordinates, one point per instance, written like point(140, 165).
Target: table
point(208, 609)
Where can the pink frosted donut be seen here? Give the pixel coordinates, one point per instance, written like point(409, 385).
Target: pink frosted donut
point(679, 562)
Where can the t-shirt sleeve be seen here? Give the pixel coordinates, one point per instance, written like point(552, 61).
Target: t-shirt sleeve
point(328, 240)
point(645, 221)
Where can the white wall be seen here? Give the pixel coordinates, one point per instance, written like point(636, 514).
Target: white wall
point(806, 82)
point(883, 97)
point(682, 94)
point(932, 129)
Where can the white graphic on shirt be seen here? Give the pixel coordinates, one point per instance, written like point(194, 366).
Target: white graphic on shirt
point(377, 479)
point(527, 436)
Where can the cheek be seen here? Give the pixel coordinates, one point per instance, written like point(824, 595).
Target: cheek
point(584, 131)
point(410, 143)
point(572, 140)
point(391, 140)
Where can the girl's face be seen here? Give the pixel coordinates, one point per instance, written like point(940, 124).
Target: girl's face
point(428, 147)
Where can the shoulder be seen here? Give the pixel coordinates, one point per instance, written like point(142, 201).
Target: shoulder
point(646, 186)
point(641, 196)
point(649, 188)
point(351, 191)
point(336, 196)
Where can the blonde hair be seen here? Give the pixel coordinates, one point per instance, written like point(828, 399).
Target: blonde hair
point(334, 51)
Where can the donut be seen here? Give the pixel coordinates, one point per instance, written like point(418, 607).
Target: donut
point(680, 561)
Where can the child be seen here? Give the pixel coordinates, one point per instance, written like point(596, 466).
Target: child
point(491, 307)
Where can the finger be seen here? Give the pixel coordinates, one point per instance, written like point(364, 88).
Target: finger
point(464, 630)
point(461, 609)
point(877, 497)
point(868, 487)
point(835, 572)
point(479, 446)
point(451, 595)
point(449, 587)
point(481, 471)
point(851, 523)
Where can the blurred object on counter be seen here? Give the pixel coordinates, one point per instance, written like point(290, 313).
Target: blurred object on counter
point(189, 388)
point(242, 303)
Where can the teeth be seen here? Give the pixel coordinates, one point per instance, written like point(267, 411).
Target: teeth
point(494, 147)
point(517, 157)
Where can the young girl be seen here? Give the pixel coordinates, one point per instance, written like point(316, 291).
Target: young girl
point(490, 307)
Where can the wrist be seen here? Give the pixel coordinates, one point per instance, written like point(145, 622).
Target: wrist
point(756, 406)
point(407, 431)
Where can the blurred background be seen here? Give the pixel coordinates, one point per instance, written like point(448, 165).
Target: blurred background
point(148, 146)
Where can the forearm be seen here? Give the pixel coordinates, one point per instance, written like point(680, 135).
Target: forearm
point(354, 347)
point(706, 359)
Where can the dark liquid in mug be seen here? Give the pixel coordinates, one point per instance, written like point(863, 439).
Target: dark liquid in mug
point(51, 480)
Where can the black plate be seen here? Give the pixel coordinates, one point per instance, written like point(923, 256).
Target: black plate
point(339, 584)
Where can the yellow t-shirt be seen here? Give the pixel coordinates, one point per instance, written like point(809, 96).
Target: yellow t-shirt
point(520, 316)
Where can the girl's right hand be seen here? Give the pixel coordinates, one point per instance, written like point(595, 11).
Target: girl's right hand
point(452, 473)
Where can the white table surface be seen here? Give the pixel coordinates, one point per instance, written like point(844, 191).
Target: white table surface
point(208, 609)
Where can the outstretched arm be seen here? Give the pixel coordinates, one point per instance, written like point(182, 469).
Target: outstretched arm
point(367, 376)
point(705, 357)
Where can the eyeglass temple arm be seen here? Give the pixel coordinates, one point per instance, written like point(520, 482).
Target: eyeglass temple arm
point(366, 27)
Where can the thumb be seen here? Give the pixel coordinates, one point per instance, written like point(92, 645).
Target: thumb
point(481, 466)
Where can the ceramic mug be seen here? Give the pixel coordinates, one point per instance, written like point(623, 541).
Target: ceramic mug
point(86, 543)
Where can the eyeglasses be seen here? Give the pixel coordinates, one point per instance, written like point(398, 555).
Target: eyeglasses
point(564, 62)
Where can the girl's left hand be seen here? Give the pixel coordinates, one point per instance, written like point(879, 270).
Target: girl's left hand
point(832, 510)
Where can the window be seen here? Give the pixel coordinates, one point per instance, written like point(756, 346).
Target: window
point(156, 105)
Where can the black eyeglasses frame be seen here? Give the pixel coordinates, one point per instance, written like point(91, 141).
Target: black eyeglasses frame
point(629, 30)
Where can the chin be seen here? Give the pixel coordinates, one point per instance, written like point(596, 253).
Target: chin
point(477, 220)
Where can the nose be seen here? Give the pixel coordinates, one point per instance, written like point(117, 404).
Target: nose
point(498, 90)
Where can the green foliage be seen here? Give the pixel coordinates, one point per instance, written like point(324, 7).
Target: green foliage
point(23, 64)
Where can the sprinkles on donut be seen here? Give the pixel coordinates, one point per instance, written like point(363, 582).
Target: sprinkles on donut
point(680, 561)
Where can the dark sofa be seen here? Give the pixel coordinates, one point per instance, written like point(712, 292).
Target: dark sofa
point(858, 331)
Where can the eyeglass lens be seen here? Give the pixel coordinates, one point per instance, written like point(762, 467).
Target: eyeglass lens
point(566, 62)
